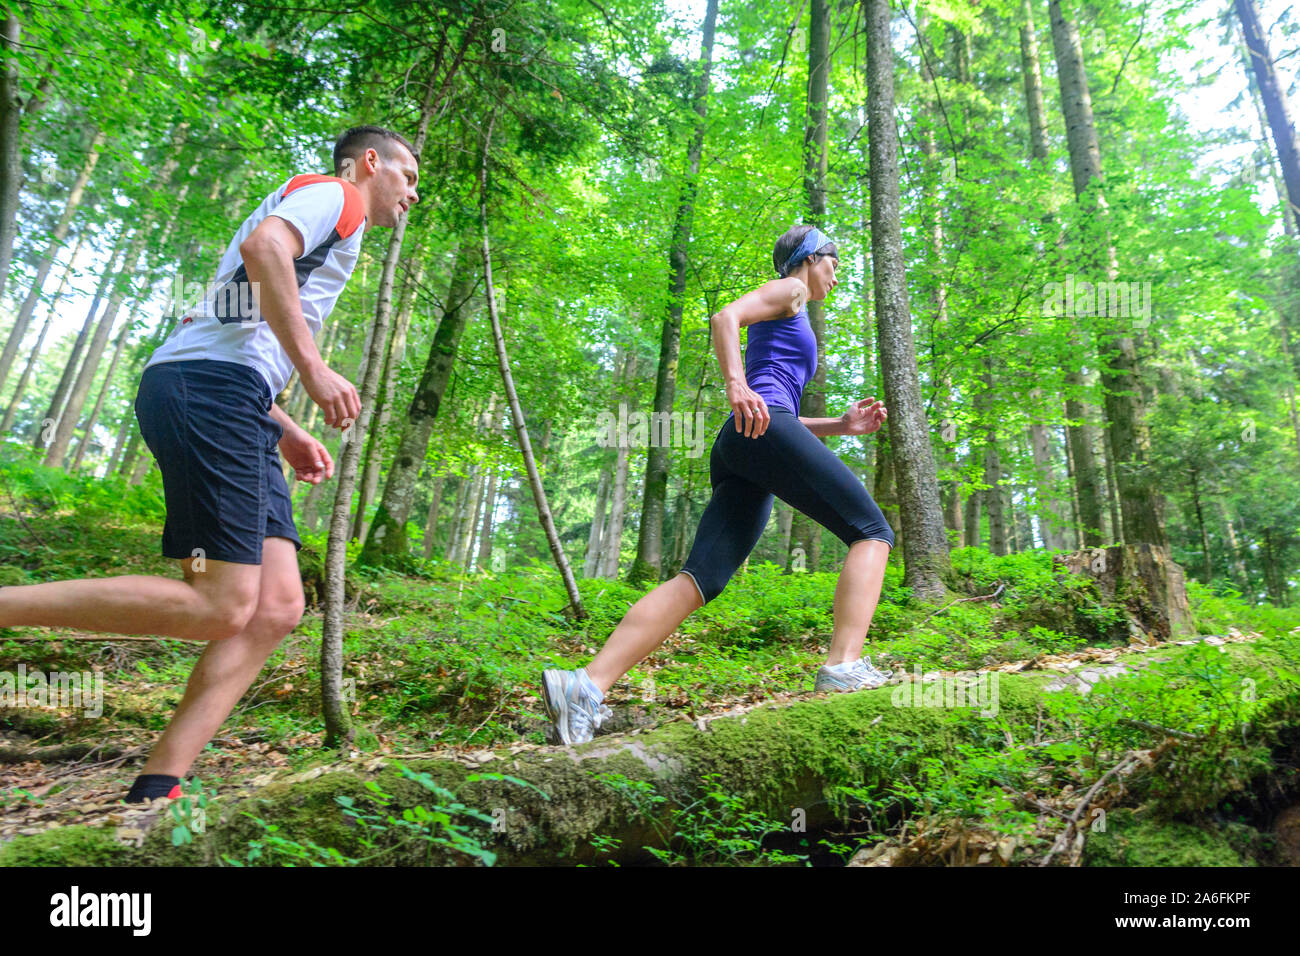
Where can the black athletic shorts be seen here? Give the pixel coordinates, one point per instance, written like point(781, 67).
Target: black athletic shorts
point(787, 461)
point(206, 423)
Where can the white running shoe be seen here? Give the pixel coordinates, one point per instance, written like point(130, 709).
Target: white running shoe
point(574, 710)
point(853, 675)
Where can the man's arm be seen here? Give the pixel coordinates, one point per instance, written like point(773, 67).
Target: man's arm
point(310, 461)
point(278, 414)
point(269, 253)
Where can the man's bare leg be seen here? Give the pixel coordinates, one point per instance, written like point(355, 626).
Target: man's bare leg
point(211, 604)
point(644, 627)
point(856, 597)
point(227, 668)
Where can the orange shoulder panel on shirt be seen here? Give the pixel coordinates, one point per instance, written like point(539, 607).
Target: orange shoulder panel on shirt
point(354, 210)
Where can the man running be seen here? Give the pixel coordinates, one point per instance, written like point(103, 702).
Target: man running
point(206, 407)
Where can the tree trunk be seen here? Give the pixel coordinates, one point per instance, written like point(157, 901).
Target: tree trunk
point(806, 533)
point(1273, 577)
point(10, 154)
point(489, 515)
point(1112, 491)
point(886, 486)
point(991, 495)
point(1275, 104)
point(1142, 579)
point(648, 566)
point(1051, 510)
point(338, 722)
point(129, 423)
point(1289, 218)
point(925, 545)
point(1022, 519)
point(141, 469)
point(1234, 550)
point(480, 491)
point(613, 546)
point(55, 410)
point(974, 512)
point(995, 497)
point(81, 388)
point(490, 497)
point(574, 609)
point(458, 518)
point(596, 536)
point(311, 506)
point(1207, 565)
point(952, 513)
point(469, 526)
point(47, 260)
point(88, 428)
point(1052, 517)
point(307, 418)
point(35, 353)
point(431, 522)
point(399, 488)
point(1141, 504)
point(392, 365)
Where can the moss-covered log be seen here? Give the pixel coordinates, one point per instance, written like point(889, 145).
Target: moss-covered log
point(785, 760)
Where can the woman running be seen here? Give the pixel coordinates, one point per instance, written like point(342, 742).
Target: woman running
point(768, 451)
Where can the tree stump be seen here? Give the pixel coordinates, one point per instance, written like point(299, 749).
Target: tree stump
point(1144, 580)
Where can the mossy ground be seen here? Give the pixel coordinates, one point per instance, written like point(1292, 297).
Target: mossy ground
point(443, 664)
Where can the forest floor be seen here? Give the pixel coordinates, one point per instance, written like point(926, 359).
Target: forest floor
point(87, 789)
point(443, 664)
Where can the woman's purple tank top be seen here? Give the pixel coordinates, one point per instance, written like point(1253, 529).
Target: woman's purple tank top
point(780, 358)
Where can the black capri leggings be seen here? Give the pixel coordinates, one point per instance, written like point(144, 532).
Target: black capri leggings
point(787, 461)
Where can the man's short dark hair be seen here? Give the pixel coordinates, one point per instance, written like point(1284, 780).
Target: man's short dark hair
point(354, 143)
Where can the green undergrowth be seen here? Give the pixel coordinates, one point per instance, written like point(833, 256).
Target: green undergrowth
point(437, 657)
point(445, 658)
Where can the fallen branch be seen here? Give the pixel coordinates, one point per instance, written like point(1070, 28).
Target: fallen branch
point(52, 754)
point(986, 597)
point(1156, 728)
point(1127, 762)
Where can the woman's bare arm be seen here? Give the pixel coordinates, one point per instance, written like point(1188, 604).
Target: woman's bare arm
point(780, 298)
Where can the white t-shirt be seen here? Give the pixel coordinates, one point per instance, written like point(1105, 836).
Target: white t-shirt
point(330, 216)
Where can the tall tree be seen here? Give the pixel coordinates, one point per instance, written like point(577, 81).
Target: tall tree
point(618, 497)
point(374, 458)
point(925, 546)
point(55, 411)
point(60, 232)
point(388, 537)
point(338, 723)
point(1275, 104)
point(574, 609)
point(647, 568)
point(58, 448)
point(1141, 504)
point(1052, 513)
point(805, 533)
point(11, 110)
point(12, 410)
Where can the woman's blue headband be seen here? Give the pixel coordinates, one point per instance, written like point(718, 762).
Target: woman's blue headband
point(811, 243)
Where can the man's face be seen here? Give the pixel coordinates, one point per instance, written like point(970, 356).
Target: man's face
point(392, 191)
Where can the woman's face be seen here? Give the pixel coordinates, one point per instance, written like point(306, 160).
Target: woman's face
point(820, 278)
